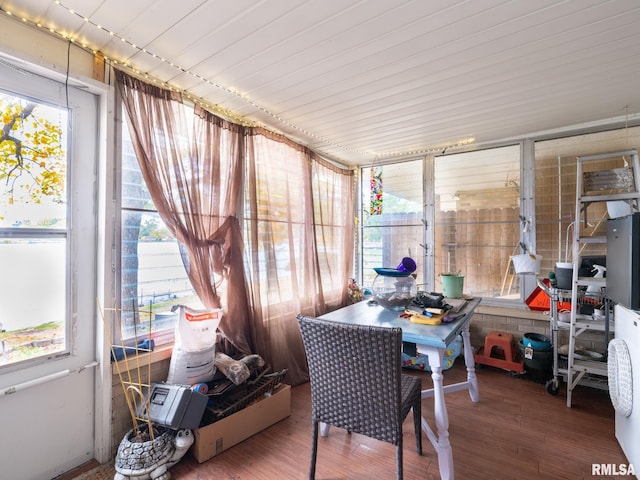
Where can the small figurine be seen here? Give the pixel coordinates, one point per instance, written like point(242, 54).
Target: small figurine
point(354, 291)
point(151, 460)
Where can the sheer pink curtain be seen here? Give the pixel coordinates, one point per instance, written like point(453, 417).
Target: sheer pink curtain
point(196, 185)
point(298, 225)
point(300, 237)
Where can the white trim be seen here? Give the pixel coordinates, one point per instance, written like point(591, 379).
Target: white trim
point(105, 273)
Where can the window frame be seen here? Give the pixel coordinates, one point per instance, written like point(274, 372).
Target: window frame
point(420, 251)
point(82, 210)
point(35, 233)
point(165, 336)
point(527, 211)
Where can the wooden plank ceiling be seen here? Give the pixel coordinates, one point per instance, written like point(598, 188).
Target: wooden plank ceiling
point(368, 81)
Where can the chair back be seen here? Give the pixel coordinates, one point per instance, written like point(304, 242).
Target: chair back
point(355, 374)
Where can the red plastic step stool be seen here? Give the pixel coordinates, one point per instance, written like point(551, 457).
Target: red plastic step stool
point(499, 351)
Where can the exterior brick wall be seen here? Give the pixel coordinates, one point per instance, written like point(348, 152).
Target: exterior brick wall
point(482, 324)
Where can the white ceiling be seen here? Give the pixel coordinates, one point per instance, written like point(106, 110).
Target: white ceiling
point(365, 81)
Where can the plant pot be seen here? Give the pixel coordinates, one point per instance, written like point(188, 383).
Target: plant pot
point(536, 341)
point(452, 285)
point(564, 275)
point(526, 263)
point(151, 458)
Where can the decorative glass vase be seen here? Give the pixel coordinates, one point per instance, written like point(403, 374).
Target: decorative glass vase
point(394, 292)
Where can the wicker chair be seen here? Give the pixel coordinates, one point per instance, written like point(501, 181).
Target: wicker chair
point(357, 382)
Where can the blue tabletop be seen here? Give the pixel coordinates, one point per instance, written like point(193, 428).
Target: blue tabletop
point(440, 336)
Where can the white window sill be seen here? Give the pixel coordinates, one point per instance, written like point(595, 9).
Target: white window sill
point(144, 359)
point(513, 312)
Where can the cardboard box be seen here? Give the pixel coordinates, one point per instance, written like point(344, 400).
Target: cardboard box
point(213, 439)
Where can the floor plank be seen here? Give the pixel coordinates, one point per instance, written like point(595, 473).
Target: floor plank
point(516, 431)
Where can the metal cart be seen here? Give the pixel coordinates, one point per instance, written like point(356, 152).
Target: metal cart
point(582, 324)
point(553, 385)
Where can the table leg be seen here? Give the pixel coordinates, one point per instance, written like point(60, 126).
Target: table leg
point(470, 362)
point(441, 440)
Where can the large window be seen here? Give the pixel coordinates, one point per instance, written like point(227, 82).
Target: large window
point(458, 213)
point(298, 246)
point(153, 278)
point(556, 191)
point(392, 217)
point(34, 229)
point(477, 220)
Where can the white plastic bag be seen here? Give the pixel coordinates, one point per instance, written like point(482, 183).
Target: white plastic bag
point(196, 329)
point(194, 349)
point(189, 368)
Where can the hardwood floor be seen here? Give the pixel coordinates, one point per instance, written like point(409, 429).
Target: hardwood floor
point(516, 431)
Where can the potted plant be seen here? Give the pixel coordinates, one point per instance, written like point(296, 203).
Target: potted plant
point(452, 284)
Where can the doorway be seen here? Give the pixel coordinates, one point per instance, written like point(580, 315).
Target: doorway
point(47, 397)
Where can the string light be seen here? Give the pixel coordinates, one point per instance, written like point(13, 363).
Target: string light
point(230, 90)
